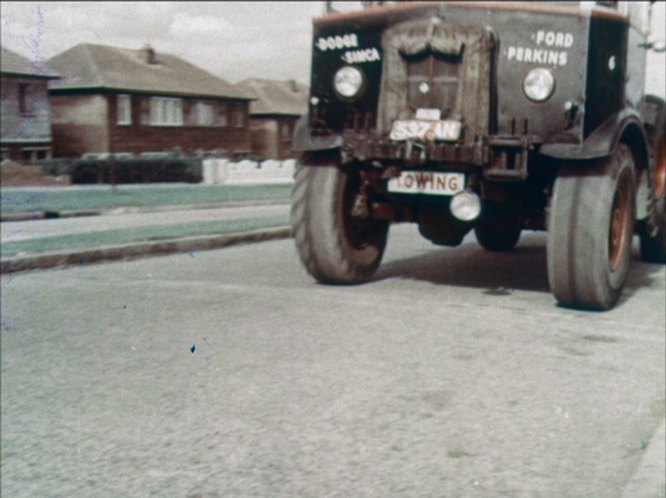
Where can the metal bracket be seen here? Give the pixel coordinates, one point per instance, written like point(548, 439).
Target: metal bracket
point(409, 152)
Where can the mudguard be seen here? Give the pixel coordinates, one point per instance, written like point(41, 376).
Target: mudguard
point(625, 125)
point(304, 141)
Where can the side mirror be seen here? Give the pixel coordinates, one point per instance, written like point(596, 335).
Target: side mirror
point(659, 46)
point(656, 46)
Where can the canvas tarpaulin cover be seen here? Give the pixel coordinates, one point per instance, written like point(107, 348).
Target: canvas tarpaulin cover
point(470, 45)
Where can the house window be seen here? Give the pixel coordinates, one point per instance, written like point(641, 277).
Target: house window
point(204, 114)
point(237, 116)
point(166, 111)
point(25, 106)
point(222, 118)
point(124, 110)
point(33, 154)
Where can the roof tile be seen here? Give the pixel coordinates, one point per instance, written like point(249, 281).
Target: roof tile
point(13, 63)
point(99, 66)
point(277, 97)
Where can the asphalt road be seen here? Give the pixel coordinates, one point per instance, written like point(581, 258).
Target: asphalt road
point(230, 373)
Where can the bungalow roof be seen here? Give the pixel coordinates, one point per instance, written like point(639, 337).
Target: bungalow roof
point(90, 66)
point(15, 64)
point(277, 97)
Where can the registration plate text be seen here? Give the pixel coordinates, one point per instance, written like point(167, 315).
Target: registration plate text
point(427, 182)
point(426, 130)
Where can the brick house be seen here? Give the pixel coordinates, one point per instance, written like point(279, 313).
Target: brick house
point(273, 115)
point(115, 100)
point(25, 115)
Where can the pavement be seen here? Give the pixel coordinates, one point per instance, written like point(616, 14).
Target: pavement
point(123, 218)
point(138, 250)
point(79, 213)
point(33, 224)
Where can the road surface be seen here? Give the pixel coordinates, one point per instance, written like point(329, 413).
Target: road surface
point(230, 373)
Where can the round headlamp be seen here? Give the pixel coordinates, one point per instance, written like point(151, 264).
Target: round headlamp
point(348, 82)
point(539, 84)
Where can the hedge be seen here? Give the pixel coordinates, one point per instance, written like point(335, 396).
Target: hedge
point(127, 170)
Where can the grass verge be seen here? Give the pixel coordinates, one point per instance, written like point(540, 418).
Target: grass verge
point(16, 201)
point(139, 234)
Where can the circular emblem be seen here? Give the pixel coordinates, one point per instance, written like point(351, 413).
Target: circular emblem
point(424, 88)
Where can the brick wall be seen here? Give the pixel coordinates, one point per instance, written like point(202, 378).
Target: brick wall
point(140, 136)
point(268, 140)
point(284, 144)
point(264, 133)
point(27, 122)
point(89, 123)
point(79, 124)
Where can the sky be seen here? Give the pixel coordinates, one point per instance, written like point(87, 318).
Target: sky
point(233, 40)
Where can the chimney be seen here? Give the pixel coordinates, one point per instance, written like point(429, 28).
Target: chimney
point(148, 55)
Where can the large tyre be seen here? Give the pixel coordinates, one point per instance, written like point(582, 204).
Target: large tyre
point(334, 247)
point(590, 232)
point(653, 238)
point(499, 228)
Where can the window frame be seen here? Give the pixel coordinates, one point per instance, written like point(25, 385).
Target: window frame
point(285, 131)
point(238, 119)
point(166, 112)
point(25, 109)
point(222, 115)
point(124, 110)
point(34, 152)
point(204, 113)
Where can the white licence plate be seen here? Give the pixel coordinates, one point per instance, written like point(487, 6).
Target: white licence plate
point(427, 182)
point(447, 129)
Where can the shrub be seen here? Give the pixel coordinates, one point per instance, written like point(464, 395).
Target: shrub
point(56, 167)
point(137, 170)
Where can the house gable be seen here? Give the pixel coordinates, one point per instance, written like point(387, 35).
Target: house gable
point(25, 113)
point(273, 115)
point(277, 98)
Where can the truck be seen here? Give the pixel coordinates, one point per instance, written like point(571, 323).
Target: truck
point(496, 117)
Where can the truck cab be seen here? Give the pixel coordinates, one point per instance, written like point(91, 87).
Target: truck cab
point(495, 117)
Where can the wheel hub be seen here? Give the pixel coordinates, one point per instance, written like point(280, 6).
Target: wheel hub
point(618, 228)
point(660, 171)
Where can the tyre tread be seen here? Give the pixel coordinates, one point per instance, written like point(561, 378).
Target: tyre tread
point(318, 233)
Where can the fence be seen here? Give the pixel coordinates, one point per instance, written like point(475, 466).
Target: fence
point(226, 172)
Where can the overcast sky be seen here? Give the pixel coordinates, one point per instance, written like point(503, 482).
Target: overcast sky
point(234, 40)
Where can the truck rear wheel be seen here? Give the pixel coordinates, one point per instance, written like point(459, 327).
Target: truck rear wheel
point(334, 246)
point(590, 232)
point(499, 228)
point(653, 240)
